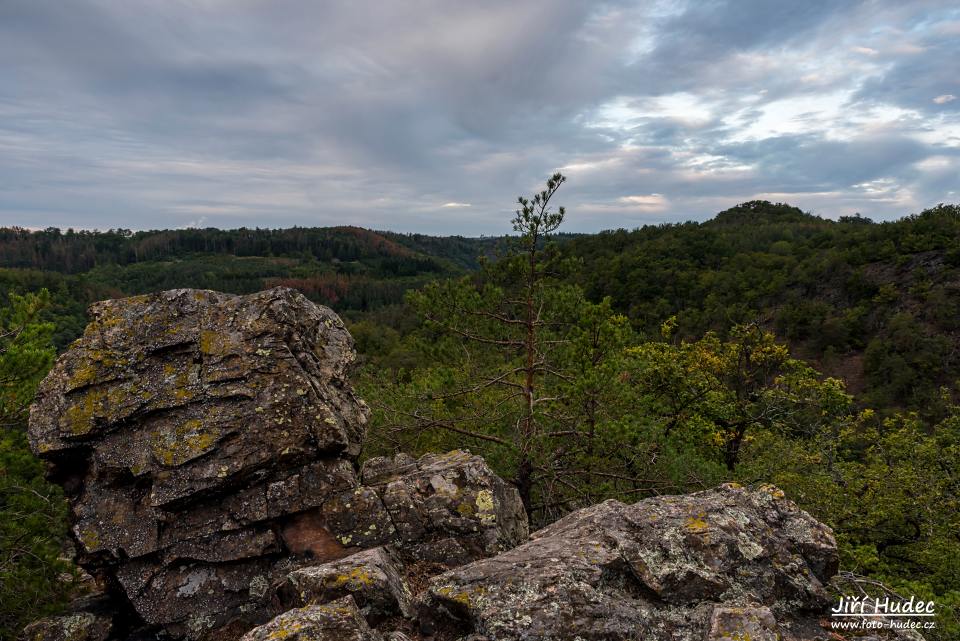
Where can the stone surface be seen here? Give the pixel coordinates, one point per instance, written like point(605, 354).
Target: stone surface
point(192, 369)
point(78, 626)
point(449, 507)
point(186, 427)
point(670, 567)
point(738, 624)
point(372, 577)
point(728, 564)
point(336, 621)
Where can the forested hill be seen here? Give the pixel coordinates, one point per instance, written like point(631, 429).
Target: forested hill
point(875, 303)
point(74, 252)
point(351, 269)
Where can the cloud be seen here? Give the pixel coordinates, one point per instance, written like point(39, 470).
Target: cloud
point(433, 116)
point(649, 202)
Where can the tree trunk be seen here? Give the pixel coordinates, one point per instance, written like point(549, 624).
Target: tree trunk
point(524, 483)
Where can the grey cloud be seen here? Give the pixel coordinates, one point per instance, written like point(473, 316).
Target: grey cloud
point(794, 163)
point(141, 114)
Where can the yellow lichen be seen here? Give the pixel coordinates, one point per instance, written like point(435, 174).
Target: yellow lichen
point(697, 523)
point(286, 628)
point(213, 342)
point(83, 375)
point(78, 419)
point(355, 579)
point(485, 507)
point(773, 491)
point(463, 597)
point(185, 442)
point(90, 538)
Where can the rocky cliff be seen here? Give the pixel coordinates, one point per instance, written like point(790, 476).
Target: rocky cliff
point(208, 443)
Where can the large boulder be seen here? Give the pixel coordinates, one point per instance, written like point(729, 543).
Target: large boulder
point(186, 427)
point(710, 565)
point(447, 508)
point(728, 564)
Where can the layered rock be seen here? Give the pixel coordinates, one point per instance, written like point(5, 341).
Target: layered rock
point(728, 564)
point(207, 444)
point(710, 565)
point(448, 508)
point(374, 578)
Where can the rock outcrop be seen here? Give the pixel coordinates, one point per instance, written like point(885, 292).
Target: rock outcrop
point(207, 444)
point(671, 567)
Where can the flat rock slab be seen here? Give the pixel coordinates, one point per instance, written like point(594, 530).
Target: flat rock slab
point(373, 577)
point(654, 569)
point(336, 621)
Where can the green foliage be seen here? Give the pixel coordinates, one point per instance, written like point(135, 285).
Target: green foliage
point(32, 512)
point(721, 394)
point(26, 354)
point(32, 528)
point(75, 252)
point(838, 292)
point(353, 270)
point(716, 397)
point(890, 488)
point(905, 364)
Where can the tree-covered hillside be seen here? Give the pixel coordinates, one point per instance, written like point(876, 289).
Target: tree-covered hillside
point(353, 270)
point(875, 304)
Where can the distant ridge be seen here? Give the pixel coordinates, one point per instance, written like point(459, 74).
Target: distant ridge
point(762, 212)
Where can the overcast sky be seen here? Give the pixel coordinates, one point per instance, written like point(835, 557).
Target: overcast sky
point(433, 116)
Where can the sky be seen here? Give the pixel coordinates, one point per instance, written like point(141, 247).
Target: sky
point(433, 116)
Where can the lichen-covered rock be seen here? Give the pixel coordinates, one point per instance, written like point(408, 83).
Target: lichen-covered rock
point(655, 569)
point(739, 623)
point(187, 426)
point(381, 469)
point(372, 577)
point(195, 368)
point(449, 507)
point(336, 621)
point(78, 626)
